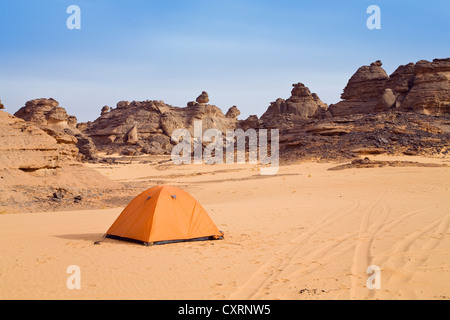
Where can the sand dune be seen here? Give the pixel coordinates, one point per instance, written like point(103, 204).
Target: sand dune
point(307, 233)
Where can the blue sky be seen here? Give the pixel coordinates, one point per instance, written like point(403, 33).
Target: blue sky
point(243, 52)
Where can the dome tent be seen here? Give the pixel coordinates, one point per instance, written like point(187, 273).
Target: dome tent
point(162, 215)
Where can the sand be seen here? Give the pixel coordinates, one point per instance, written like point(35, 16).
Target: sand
point(306, 233)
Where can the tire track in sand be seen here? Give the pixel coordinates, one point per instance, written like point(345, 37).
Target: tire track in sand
point(362, 257)
point(253, 288)
point(400, 262)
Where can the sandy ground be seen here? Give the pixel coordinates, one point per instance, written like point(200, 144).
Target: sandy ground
point(307, 233)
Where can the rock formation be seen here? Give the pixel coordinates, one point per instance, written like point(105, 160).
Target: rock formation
point(296, 110)
point(133, 136)
point(423, 87)
point(430, 90)
point(105, 109)
point(203, 98)
point(233, 113)
point(33, 165)
point(345, 137)
point(379, 114)
point(302, 103)
point(363, 91)
point(26, 147)
point(1, 105)
point(147, 126)
point(54, 120)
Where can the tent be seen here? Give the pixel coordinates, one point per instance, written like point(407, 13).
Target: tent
point(164, 215)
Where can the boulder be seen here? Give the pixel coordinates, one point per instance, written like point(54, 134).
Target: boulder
point(132, 136)
point(122, 104)
point(386, 100)
point(203, 98)
point(105, 109)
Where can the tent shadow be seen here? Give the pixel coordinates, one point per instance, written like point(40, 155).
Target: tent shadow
point(92, 237)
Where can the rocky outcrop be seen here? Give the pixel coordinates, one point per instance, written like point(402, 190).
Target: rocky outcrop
point(33, 165)
point(392, 132)
point(379, 114)
point(54, 120)
point(26, 147)
point(147, 126)
point(233, 113)
point(302, 103)
point(423, 87)
point(430, 90)
point(363, 91)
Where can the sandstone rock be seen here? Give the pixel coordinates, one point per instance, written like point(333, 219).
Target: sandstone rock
point(402, 80)
point(203, 98)
point(26, 147)
point(122, 104)
point(423, 87)
point(147, 126)
point(54, 120)
point(373, 151)
point(361, 95)
point(132, 136)
point(430, 92)
point(252, 122)
point(32, 163)
point(83, 126)
point(367, 82)
point(72, 122)
point(386, 100)
point(110, 139)
point(329, 129)
point(105, 109)
point(128, 152)
point(233, 113)
point(43, 112)
point(302, 103)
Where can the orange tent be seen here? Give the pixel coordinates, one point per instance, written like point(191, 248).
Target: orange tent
point(164, 215)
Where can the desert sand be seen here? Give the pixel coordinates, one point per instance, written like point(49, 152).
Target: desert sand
point(306, 233)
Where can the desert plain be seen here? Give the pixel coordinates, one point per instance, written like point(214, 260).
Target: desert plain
point(306, 233)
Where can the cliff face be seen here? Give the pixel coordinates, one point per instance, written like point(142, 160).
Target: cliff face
point(430, 90)
point(27, 148)
point(423, 87)
point(33, 165)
